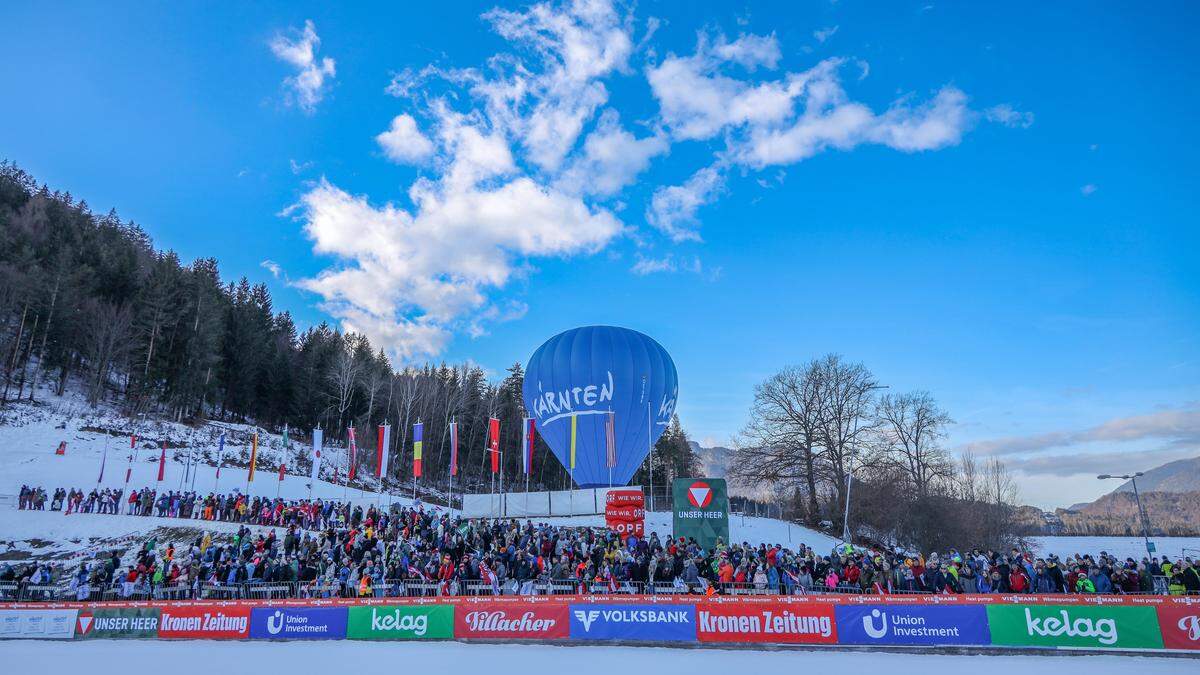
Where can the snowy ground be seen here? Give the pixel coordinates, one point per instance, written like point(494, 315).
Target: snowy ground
point(29, 434)
point(100, 657)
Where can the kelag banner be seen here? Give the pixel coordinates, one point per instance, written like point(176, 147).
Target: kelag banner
point(130, 622)
point(912, 625)
point(298, 623)
point(1074, 626)
point(400, 622)
point(667, 622)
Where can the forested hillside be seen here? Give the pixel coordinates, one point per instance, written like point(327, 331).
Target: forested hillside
point(87, 301)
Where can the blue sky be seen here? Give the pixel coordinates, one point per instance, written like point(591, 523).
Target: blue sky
point(997, 204)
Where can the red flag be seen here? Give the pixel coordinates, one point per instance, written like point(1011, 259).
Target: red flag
point(494, 442)
point(454, 448)
point(527, 446)
point(381, 450)
point(281, 469)
point(353, 457)
point(162, 462)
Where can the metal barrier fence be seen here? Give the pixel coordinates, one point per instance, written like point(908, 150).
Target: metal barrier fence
point(400, 588)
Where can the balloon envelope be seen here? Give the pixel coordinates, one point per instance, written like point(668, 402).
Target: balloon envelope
point(589, 372)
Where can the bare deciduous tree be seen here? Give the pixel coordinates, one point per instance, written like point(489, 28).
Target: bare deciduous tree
point(912, 428)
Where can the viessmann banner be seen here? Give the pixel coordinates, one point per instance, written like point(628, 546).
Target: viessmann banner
point(1087, 622)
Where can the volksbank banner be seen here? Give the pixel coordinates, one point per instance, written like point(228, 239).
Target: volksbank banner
point(912, 625)
point(298, 623)
point(701, 510)
point(401, 622)
point(1091, 626)
point(633, 622)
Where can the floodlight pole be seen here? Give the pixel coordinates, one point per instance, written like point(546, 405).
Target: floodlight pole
point(1141, 511)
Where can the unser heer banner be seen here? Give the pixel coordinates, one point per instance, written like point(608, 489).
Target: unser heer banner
point(125, 622)
point(492, 620)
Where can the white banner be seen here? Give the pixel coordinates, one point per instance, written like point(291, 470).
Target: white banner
point(318, 440)
point(38, 623)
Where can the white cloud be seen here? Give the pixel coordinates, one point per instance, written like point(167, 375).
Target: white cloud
point(1008, 116)
point(825, 33)
point(673, 209)
point(299, 167)
point(1088, 190)
point(403, 142)
point(272, 267)
point(525, 158)
point(308, 86)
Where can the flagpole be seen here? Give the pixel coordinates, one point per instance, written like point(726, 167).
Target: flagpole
point(650, 435)
point(192, 487)
point(103, 458)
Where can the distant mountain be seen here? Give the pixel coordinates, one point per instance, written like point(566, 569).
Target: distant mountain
point(1179, 476)
point(715, 460)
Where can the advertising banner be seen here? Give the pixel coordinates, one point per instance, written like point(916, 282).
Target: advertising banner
point(633, 622)
point(701, 510)
point(766, 622)
point(912, 625)
point(210, 623)
point(298, 623)
point(58, 624)
point(503, 620)
point(400, 622)
point(1091, 626)
point(125, 622)
point(1180, 626)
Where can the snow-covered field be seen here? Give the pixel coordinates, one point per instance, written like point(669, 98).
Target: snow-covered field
point(99, 657)
point(30, 433)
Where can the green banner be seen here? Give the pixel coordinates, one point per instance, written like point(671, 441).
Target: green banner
point(117, 623)
point(401, 622)
point(1098, 627)
point(701, 509)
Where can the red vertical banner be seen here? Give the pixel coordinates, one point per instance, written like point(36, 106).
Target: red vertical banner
point(494, 443)
point(353, 450)
point(282, 468)
point(162, 462)
point(381, 451)
point(454, 448)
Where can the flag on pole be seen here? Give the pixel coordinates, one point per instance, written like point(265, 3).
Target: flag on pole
point(220, 454)
point(162, 462)
point(353, 450)
point(494, 442)
point(418, 433)
point(253, 456)
point(282, 468)
point(610, 438)
point(527, 436)
point(454, 448)
point(103, 459)
point(132, 447)
point(318, 439)
point(574, 429)
point(381, 450)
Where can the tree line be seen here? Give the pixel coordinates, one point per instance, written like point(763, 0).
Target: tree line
point(87, 299)
point(821, 430)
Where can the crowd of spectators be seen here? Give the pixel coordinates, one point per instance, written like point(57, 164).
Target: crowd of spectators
point(324, 548)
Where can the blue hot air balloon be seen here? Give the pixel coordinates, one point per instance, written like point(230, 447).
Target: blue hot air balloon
point(588, 373)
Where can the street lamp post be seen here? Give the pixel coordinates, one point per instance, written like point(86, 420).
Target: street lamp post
point(850, 476)
point(1141, 511)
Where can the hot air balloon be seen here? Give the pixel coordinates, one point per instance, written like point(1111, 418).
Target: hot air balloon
point(609, 381)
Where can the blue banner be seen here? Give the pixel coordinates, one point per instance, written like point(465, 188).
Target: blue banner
point(672, 623)
point(912, 625)
point(298, 623)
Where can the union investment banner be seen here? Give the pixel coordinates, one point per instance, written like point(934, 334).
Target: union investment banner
point(912, 625)
point(298, 623)
point(701, 510)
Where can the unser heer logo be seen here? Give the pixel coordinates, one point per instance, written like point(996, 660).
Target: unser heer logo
point(499, 622)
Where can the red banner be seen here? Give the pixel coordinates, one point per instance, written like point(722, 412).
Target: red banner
point(625, 498)
point(547, 621)
point(625, 513)
point(494, 443)
point(229, 623)
point(162, 462)
point(766, 622)
point(1180, 626)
